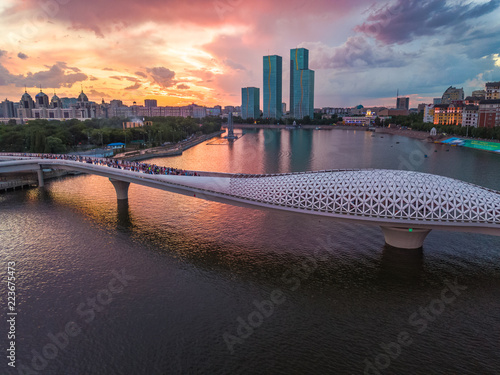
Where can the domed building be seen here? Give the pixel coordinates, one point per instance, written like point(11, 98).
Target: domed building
point(41, 100)
point(26, 101)
point(55, 102)
point(56, 108)
point(26, 105)
point(83, 98)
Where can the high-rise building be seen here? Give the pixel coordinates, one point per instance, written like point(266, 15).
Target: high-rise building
point(148, 103)
point(452, 94)
point(403, 103)
point(429, 113)
point(41, 100)
point(273, 76)
point(301, 84)
point(7, 109)
point(479, 94)
point(250, 102)
point(492, 90)
point(489, 113)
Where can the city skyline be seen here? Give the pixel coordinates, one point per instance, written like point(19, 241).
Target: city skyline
point(301, 84)
point(272, 86)
point(361, 53)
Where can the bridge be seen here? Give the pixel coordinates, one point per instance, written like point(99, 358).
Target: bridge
point(406, 205)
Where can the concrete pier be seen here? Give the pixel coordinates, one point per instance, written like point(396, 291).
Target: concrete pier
point(405, 238)
point(41, 182)
point(121, 188)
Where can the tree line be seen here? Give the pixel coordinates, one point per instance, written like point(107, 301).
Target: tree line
point(46, 136)
point(317, 120)
point(415, 121)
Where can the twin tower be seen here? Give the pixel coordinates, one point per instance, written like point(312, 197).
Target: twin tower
point(301, 88)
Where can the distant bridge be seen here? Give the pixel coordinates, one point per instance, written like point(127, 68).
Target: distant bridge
point(406, 205)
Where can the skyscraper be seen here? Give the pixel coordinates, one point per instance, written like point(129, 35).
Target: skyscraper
point(7, 109)
point(148, 103)
point(452, 94)
point(301, 84)
point(250, 102)
point(273, 76)
point(403, 103)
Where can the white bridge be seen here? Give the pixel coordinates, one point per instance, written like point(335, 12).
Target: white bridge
point(406, 205)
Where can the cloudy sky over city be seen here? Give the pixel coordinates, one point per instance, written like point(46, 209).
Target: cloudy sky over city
point(204, 51)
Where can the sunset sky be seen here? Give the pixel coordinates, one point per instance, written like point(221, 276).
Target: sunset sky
point(204, 51)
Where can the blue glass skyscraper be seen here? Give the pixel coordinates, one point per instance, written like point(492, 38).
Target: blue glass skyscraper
point(250, 102)
point(273, 76)
point(301, 84)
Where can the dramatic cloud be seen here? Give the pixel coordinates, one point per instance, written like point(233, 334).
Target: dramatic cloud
point(131, 79)
point(58, 75)
point(128, 78)
point(204, 75)
point(63, 65)
point(83, 15)
point(162, 76)
point(101, 94)
point(355, 53)
point(22, 56)
point(360, 49)
point(233, 65)
point(133, 87)
point(405, 20)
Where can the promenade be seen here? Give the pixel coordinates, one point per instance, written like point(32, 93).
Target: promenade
point(165, 151)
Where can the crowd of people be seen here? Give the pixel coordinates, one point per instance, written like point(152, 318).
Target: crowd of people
point(114, 163)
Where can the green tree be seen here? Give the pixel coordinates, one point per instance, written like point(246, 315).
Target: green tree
point(54, 145)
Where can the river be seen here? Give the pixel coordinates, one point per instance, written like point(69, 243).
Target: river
point(170, 284)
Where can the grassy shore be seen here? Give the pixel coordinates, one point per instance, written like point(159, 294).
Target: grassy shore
point(422, 135)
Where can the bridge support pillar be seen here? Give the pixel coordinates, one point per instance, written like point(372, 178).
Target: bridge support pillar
point(41, 182)
point(405, 238)
point(121, 188)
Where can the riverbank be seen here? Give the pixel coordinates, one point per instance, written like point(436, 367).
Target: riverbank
point(476, 143)
point(314, 127)
point(164, 151)
point(415, 134)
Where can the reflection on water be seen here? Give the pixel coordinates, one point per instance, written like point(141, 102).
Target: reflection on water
point(401, 265)
point(123, 215)
point(199, 265)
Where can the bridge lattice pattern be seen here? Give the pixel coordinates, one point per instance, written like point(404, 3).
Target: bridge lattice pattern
point(375, 193)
